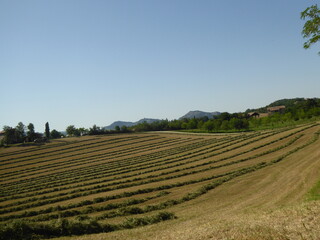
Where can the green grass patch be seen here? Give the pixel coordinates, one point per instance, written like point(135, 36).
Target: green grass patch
point(314, 193)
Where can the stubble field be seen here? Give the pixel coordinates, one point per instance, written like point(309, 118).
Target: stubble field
point(163, 186)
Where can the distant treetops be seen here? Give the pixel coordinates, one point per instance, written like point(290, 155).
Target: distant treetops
point(23, 134)
point(280, 113)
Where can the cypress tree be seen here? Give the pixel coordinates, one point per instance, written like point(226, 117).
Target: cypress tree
point(47, 131)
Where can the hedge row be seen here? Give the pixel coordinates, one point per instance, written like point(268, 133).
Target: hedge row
point(21, 230)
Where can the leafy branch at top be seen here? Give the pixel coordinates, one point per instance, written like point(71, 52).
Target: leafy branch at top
point(311, 29)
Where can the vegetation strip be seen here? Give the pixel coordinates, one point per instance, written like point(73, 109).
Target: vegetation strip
point(83, 159)
point(19, 230)
point(166, 173)
point(72, 155)
point(248, 143)
point(115, 163)
point(25, 230)
point(299, 131)
point(161, 164)
point(135, 183)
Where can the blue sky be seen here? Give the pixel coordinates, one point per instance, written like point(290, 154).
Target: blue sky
point(85, 62)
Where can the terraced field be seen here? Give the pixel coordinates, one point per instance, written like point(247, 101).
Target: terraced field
point(99, 184)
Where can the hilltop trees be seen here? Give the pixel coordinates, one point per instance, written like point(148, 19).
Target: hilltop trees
point(10, 135)
point(20, 132)
point(55, 134)
point(72, 131)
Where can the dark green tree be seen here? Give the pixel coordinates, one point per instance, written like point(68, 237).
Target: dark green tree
point(71, 130)
point(95, 130)
point(124, 129)
point(311, 28)
point(47, 130)
point(225, 116)
point(31, 132)
point(10, 135)
point(55, 134)
point(208, 126)
point(20, 132)
point(83, 131)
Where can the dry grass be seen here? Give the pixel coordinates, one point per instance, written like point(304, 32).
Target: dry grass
point(268, 203)
point(297, 222)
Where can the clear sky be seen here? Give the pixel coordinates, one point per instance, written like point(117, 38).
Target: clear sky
point(85, 62)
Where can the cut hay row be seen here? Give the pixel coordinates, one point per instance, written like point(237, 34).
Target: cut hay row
point(75, 151)
point(149, 155)
point(180, 164)
point(146, 183)
point(96, 156)
point(117, 165)
point(57, 149)
point(136, 183)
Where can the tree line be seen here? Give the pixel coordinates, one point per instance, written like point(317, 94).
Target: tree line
point(297, 110)
point(24, 134)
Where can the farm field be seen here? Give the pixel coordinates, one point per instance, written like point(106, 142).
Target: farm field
point(162, 185)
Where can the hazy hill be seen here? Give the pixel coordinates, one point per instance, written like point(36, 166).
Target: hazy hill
point(199, 114)
point(191, 114)
point(287, 102)
point(129, 124)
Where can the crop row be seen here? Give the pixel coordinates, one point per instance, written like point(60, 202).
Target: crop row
point(44, 147)
point(30, 231)
point(91, 209)
point(179, 164)
point(202, 190)
point(58, 156)
point(60, 149)
point(95, 171)
point(25, 230)
point(135, 182)
point(96, 157)
point(281, 138)
point(189, 155)
point(115, 162)
point(95, 176)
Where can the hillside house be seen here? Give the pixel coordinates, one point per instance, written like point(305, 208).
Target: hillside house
point(253, 114)
point(276, 109)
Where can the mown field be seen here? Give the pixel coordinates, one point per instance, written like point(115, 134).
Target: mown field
point(178, 186)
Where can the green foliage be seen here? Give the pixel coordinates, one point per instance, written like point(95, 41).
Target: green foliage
point(20, 132)
point(47, 130)
point(23, 230)
point(10, 135)
point(314, 193)
point(73, 131)
point(55, 134)
point(311, 28)
point(31, 133)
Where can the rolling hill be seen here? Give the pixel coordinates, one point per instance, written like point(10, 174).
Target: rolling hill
point(129, 124)
point(170, 185)
point(189, 115)
point(199, 114)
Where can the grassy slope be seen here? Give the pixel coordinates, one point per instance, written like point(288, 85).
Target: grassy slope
point(267, 204)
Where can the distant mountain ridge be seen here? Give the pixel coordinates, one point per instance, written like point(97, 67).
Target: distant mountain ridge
point(189, 115)
point(199, 114)
point(130, 124)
